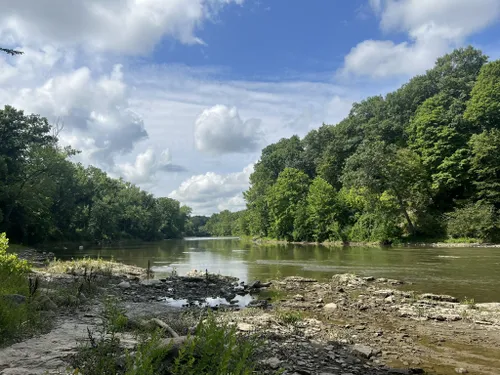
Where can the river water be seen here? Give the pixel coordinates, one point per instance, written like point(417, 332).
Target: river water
point(462, 272)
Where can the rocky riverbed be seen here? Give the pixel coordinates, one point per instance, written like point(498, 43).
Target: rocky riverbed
point(348, 326)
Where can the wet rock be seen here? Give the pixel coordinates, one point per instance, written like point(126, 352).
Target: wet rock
point(438, 297)
point(258, 285)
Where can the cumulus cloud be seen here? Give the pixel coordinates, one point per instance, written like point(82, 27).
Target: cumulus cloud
point(211, 192)
point(93, 108)
point(123, 26)
point(147, 165)
point(433, 28)
point(220, 130)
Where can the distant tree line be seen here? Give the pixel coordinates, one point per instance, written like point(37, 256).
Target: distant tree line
point(421, 162)
point(46, 197)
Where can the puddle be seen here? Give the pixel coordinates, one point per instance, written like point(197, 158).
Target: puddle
point(240, 301)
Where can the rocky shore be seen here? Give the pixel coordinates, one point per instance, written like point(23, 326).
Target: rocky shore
point(348, 326)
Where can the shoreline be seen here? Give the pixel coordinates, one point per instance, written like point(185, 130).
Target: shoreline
point(348, 324)
point(260, 241)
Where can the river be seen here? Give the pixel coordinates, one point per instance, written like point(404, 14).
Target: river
point(461, 272)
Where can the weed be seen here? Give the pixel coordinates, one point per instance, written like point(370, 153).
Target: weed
point(289, 316)
point(469, 302)
point(217, 350)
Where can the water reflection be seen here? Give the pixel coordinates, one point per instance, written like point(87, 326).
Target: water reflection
point(471, 272)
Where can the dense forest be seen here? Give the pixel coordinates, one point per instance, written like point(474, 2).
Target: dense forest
point(421, 162)
point(46, 197)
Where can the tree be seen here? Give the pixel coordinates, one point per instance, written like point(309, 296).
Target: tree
point(284, 199)
point(321, 209)
point(485, 165)
point(483, 108)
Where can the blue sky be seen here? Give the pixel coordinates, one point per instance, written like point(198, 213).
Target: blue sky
point(180, 96)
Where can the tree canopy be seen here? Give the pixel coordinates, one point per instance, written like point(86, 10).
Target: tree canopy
point(418, 162)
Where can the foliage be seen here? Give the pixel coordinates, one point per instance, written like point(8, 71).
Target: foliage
point(393, 167)
point(46, 197)
point(474, 220)
point(216, 349)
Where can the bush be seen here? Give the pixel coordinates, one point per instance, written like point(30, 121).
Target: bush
point(475, 220)
point(16, 316)
point(375, 227)
point(216, 350)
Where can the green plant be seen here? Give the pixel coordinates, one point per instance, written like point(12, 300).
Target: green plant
point(216, 349)
point(114, 318)
point(149, 356)
point(469, 302)
point(290, 317)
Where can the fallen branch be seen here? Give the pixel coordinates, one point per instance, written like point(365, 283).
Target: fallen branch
point(165, 326)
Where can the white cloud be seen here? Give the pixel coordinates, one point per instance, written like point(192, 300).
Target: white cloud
point(94, 109)
point(211, 192)
point(123, 26)
point(147, 165)
point(220, 130)
point(433, 28)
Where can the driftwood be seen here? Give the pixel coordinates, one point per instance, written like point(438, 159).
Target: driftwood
point(165, 326)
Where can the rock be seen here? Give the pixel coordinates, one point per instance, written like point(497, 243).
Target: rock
point(46, 304)
point(298, 297)
point(257, 285)
point(330, 306)
point(390, 299)
point(150, 282)
point(124, 285)
point(439, 297)
point(245, 327)
point(174, 345)
point(461, 370)
point(15, 299)
point(362, 350)
point(273, 362)
point(383, 293)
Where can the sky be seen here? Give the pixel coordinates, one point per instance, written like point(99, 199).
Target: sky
point(180, 96)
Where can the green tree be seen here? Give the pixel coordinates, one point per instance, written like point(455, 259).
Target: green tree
point(284, 199)
point(322, 209)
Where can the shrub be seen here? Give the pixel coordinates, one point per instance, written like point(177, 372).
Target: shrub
point(16, 315)
point(475, 220)
point(216, 350)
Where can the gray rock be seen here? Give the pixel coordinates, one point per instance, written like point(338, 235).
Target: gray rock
point(461, 370)
point(298, 297)
point(15, 299)
point(273, 362)
point(245, 327)
point(124, 285)
point(362, 350)
point(150, 282)
point(46, 304)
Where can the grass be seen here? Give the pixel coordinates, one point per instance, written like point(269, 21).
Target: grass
point(290, 317)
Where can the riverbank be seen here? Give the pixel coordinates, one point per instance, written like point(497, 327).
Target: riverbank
point(349, 325)
point(267, 241)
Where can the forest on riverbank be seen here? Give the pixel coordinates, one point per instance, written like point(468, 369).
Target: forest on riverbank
point(423, 162)
point(44, 196)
